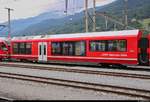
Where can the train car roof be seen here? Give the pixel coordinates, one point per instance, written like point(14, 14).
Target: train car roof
point(3, 38)
point(80, 35)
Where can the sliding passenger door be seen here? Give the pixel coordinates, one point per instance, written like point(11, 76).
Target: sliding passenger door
point(42, 51)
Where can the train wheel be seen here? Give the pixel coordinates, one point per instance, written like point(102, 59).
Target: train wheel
point(143, 59)
point(119, 66)
point(23, 60)
point(34, 61)
point(105, 65)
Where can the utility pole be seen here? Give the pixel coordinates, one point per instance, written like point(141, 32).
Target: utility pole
point(126, 13)
point(106, 23)
point(115, 28)
point(66, 7)
point(9, 25)
point(94, 15)
point(86, 17)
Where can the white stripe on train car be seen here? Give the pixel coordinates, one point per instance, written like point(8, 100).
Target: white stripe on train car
point(3, 54)
point(25, 55)
point(134, 59)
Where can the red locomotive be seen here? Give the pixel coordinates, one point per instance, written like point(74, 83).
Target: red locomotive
point(125, 47)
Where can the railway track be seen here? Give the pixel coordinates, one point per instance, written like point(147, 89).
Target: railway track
point(136, 68)
point(118, 74)
point(132, 92)
point(4, 99)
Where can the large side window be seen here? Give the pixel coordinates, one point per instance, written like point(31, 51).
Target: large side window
point(56, 48)
point(69, 48)
point(117, 46)
point(15, 48)
point(3, 47)
point(108, 46)
point(122, 45)
point(22, 48)
point(28, 48)
point(80, 48)
point(98, 45)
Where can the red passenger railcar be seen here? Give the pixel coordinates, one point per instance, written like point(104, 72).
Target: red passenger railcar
point(149, 48)
point(113, 47)
point(4, 48)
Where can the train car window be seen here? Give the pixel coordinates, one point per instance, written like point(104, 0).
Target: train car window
point(112, 45)
point(22, 49)
point(69, 48)
point(3, 47)
point(80, 48)
point(98, 45)
point(117, 45)
point(108, 46)
point(0, 46)
point(28, 48)
point(56, 48)
point(15, 48)
point(65, 48)
point(122, 45)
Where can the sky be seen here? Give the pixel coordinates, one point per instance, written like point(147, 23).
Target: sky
point(30, 8)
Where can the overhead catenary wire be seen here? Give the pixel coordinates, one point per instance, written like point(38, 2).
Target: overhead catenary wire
point(75, 7)
point(112, 19)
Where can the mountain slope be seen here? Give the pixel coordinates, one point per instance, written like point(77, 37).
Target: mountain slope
point(138, 10)
point(21, 24)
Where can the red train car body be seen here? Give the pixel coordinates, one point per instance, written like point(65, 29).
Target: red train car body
point(149, 48)
point(113, 47)
point(4, 48)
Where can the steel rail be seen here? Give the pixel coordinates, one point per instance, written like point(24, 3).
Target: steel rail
point(4, 99)
point(118, 74)
point(132, 92)
point(135, 68)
